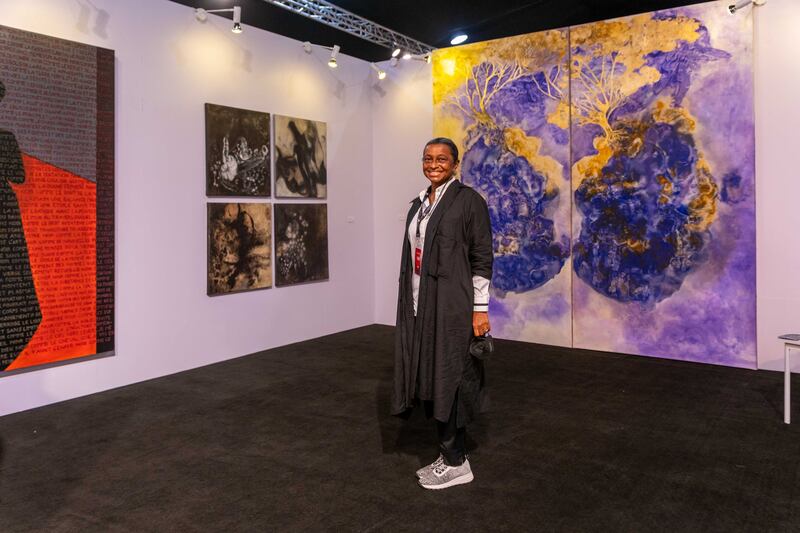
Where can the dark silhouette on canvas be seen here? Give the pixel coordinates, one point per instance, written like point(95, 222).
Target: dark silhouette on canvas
point(304, 169)
point(19, 307)
point(304, 153)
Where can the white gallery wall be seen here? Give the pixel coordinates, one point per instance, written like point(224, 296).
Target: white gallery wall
point(402, 122)
point(167, 66)
point(777, 87)
point(405, 120)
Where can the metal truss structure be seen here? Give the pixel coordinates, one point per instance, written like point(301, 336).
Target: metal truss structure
point(341, 19)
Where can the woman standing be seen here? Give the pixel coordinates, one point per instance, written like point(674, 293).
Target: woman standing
point(443, 301)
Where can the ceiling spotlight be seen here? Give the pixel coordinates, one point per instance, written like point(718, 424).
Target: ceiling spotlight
point(237, 19)
point(407, 55)
point(741, 4)
point(307, 47)
point(334, 52)
point(202, 15)
point(422, 57)
point(396, 51)
point(733, 8)
point(458, 38)
point(380, 73)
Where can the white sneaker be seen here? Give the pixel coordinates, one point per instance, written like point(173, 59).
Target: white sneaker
point(444, 475)
point(439, 460)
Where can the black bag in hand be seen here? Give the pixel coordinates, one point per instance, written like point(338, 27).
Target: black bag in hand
point(481, 347)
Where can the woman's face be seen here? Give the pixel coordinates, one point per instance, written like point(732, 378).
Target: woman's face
point(438, 164)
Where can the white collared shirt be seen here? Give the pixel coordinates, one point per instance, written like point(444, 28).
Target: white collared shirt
point(480, 284)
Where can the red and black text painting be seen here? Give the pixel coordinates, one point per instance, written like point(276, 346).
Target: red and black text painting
point(56, 200)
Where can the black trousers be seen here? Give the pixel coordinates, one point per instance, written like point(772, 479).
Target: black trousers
point(452, 438)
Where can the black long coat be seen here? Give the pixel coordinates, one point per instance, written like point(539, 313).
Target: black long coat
point(20, 315)
point(432, 360)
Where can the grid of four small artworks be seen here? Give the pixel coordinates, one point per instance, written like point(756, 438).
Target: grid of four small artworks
point(245, 150)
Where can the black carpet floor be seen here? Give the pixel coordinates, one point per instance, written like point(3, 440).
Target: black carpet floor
point(298, 439)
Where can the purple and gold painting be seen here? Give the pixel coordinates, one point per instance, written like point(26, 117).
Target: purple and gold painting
point(663, 179)
point(617, 159)
point(505, 104)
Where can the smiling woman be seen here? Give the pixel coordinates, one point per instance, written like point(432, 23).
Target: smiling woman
point(442, 303)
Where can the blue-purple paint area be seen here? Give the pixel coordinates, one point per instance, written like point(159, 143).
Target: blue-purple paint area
point(522, 105)
point(555, 308)
point(718, 324)
point(527, 252)
point(676, 68)
point(636, 241)
point(732, 190)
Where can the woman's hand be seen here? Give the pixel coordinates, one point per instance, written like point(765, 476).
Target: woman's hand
point(480, 323)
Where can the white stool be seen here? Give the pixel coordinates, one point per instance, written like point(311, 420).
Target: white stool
point(791, 339)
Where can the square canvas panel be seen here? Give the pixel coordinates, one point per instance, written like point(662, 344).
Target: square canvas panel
point(239, 247)
point(301, 243)
point(56, 200)
point(506, 105)
point(300, 158)
point(663, 166)
point(237, 152)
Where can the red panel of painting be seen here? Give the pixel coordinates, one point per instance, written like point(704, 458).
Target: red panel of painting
point(58, 216)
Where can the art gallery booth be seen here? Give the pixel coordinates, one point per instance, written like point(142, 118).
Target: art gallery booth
point(641, 194)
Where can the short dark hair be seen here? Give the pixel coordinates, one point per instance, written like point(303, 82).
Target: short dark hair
point(447, 142)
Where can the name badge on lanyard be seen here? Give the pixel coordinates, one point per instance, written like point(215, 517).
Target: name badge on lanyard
point(417, 255)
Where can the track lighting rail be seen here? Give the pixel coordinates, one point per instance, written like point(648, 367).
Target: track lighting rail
point(341, 19)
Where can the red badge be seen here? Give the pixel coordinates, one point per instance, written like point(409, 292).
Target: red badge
point(417, 260)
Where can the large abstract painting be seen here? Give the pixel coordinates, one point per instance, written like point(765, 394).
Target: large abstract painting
point(56, 200)
point(655, 115)
point(663, 168)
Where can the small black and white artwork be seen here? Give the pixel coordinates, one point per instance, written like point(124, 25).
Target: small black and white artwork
point(237, 152)
point(301, 243)
point(239, 247)
point(300, 158)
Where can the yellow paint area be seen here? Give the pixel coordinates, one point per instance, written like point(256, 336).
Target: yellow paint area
point(703, 207)
point(452, 67)
point(606, 67)
point(528, 147)
point(592, 165)
point(608, 62)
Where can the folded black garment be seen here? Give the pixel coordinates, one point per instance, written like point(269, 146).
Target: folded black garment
point(481, 347)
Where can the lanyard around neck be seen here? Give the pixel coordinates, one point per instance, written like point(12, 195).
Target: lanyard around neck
point(424, 212)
